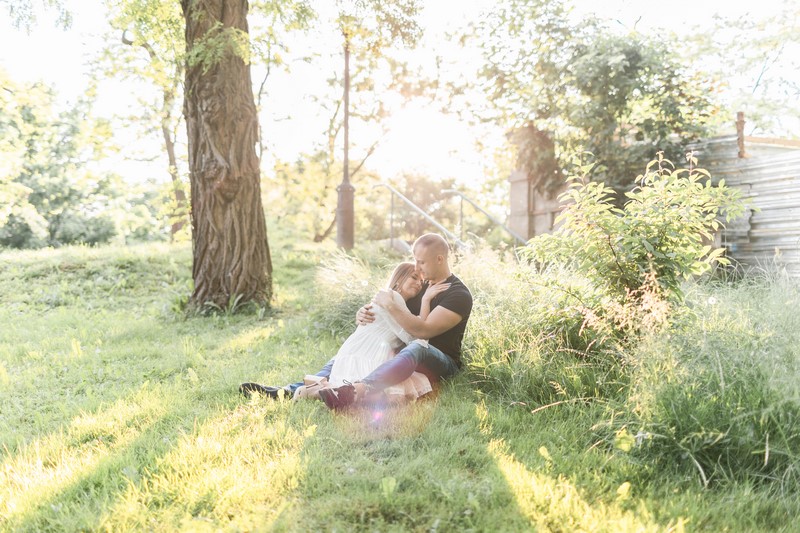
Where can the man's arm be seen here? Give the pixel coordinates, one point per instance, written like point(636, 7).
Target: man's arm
point(364, 315)
point(437, 322)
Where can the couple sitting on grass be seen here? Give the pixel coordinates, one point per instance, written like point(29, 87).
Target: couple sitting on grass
point(424, 300)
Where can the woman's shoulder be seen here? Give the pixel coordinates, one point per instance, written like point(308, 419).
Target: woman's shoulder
point(395, 297)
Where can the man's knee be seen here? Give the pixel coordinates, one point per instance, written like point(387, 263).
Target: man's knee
point(429, 361)
point(413, 352)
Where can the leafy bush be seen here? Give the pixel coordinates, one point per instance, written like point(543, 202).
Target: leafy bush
point(74, 228)
point(637, 256)
point(662, 229)
point(24, 230)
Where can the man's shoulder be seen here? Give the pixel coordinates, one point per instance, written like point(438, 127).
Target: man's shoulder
point(457, 284)
point(458, 297)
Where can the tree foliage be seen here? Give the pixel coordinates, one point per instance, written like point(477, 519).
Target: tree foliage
point(624, 97)
point(758, 57)
point(51, 191)
point(23, 13)
point(373, 31)
point(148, 47)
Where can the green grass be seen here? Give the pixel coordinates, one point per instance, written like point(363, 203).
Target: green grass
point(120, 414)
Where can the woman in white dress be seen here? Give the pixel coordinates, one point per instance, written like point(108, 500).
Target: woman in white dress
point(374, 343)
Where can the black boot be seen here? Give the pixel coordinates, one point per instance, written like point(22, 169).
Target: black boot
point(272, 392)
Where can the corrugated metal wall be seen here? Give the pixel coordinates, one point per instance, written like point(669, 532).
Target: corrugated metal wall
point(769, 176)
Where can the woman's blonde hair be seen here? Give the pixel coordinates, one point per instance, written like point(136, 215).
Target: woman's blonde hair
point(400, 275)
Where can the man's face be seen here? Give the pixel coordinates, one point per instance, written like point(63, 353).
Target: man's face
point(427, 262)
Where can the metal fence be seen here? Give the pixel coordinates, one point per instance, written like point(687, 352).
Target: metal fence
point(769, 177)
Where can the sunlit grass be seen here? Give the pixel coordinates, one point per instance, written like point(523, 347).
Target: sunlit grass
point(119, 414)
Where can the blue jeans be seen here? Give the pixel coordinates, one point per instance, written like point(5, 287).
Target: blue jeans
point(430, 361)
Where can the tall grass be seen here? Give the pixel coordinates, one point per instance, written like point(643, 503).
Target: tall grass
point(527, 339)
point(713, 391)
point(719, 393)
point(343, 283)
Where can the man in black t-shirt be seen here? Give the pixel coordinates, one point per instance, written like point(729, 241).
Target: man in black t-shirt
point(457, 298)
point(443, 327)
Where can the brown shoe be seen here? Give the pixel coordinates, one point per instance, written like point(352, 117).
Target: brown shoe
point(339, 397)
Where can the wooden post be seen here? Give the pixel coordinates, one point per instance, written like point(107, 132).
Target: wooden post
point(533, 205)
point(345, 214)
point(740, 134)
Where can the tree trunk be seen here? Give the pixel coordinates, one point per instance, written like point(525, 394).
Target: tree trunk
point(231, 255)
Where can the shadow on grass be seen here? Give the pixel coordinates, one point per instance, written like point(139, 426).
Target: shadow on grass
point(558, 474)
point(564, 479)
point(67, 479)
point(160, 459)
point(421, 467)
point(79, 367)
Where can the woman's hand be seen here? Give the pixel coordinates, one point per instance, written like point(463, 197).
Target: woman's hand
point(434, 290)
point(365, 315)
point(384, 298)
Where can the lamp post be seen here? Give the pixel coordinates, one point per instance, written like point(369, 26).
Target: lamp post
point(344, 207)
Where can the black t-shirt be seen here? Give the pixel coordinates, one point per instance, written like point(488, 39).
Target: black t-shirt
point(457, 299)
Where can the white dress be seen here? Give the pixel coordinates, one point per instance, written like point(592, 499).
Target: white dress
point(372, 344)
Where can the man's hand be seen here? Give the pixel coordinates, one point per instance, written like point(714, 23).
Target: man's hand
point(365, 315)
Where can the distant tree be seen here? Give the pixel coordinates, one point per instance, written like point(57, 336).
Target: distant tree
point(53, 195)
point(14, 196)
point(231, 254)
point(23, 12)
point(148, 46)
point(757, 57)
point(271, 23)
point(369, 30)
point(582, 87)
point(426, 193)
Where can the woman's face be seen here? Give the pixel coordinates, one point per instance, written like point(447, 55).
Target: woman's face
point(411, 286)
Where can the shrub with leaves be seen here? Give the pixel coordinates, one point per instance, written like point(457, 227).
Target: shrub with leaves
point(663, 230)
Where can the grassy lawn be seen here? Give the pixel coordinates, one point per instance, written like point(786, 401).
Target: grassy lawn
point(118, 413)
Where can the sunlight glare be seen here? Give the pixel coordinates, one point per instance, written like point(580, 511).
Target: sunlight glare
point(425, 141)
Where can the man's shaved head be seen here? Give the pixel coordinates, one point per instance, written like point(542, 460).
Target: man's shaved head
point(433, 242)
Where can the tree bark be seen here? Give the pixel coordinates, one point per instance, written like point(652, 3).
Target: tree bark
point(231, 258)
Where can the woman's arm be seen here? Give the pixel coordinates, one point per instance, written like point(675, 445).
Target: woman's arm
point(437, 322)
point(430, 293)
point(398, 331)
